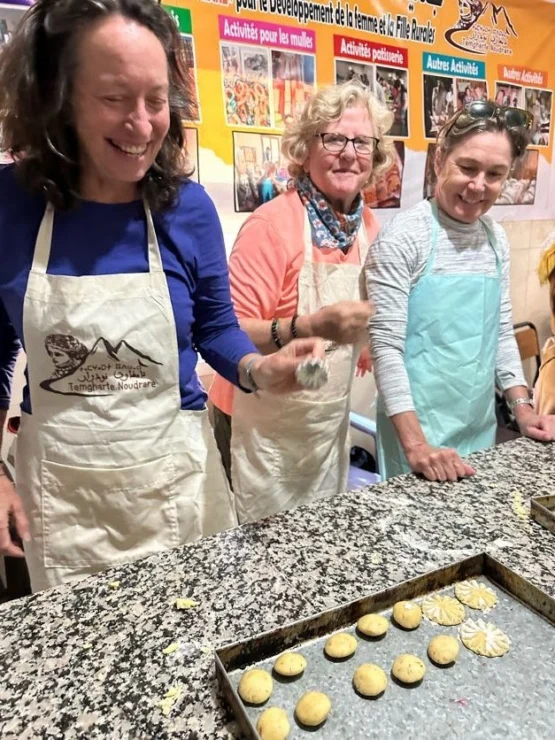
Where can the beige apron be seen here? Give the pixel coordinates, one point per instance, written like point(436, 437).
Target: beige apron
point(291, 450)
point(109, 468)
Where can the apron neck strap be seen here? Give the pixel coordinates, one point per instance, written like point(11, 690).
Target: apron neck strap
point(154, 256)
point(44, 240)
point(43, 243)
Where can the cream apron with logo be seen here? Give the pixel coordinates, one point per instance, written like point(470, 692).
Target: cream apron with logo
point(110, 469)
point(292, 450)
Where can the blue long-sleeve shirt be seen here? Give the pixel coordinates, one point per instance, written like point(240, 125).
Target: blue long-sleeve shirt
point(103, 239)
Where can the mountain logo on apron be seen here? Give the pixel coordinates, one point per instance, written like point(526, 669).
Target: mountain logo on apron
point(104, 370)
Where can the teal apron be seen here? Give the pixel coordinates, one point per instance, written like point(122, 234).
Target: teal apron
point(450, 358)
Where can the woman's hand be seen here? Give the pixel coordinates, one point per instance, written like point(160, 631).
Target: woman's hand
point(437, 463)
point(364, 362)
point(10, 505)
point(276, 373)
point(345, 322)
point(535, 426)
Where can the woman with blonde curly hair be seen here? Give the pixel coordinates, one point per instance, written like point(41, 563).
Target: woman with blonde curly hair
point(295, 271)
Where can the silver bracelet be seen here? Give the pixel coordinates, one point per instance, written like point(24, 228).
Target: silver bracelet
point(519, 402)
point(251, 382)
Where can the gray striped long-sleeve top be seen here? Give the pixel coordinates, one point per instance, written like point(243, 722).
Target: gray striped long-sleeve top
point(394, 264)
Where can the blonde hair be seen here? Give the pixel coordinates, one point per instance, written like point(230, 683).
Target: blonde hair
point(328, 105)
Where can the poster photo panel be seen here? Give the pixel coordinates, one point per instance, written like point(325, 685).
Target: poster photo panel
point(439, 103)
point(191, 75)
point(386, 191)
point(246, 85)
point(509, 96)
point(391, 87)
point(346, 70)
point(293, 84)
point(259, 170)
point(539, 103)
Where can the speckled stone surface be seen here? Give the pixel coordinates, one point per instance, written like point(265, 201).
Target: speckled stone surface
point(87, 661)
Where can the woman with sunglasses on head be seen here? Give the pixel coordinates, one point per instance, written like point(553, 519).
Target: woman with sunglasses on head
point(442, 333)
point(296, 271)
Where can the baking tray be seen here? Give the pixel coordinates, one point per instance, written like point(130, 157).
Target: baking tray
point(542, 509)
point(512, 696)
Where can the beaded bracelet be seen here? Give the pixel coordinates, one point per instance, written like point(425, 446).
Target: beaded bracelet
point(294, 333)
point(275, 334)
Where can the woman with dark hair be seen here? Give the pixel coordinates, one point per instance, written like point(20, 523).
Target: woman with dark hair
point(107, 245)
point(442, 333)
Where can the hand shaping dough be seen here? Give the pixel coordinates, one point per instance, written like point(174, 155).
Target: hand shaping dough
point(273, 724)
point(443, 610)
point(340, 646)
point(373, 625)
point(290, 664)
point(407, 614)
point(475, 595)
point(255, 686)
point(443, 649)
point(408, 669)
point(370, 680)
point(484, 638)
point(313, 708)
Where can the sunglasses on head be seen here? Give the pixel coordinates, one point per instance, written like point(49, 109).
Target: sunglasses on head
point(482, 110)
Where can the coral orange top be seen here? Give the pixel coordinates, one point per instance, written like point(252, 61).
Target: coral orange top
point(264, 268)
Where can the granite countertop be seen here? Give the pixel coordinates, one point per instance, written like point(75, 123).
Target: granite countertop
point(87, 661)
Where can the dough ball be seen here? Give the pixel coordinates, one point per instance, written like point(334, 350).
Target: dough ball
point(443, 649)
point(369, 680)
point(484, 638)
point(475, 595)
point(408, 669)
point(313, 708)
point(443, 610)
point(290, 664)
point(273, 724)
point(407, 614)
point(373, 625)
point(340, 646)
point(255, 686)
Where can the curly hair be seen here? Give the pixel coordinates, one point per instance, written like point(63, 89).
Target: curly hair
point(328, 105)
point(37, 68)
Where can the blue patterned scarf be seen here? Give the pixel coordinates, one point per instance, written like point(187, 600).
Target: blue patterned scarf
point(329, 229)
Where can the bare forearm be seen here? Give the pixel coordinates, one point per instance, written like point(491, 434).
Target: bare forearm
point(522, 410)
point(408, 430)
point(260, 332)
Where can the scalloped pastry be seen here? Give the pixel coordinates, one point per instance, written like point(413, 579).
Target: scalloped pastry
point(475, 595)
point(484, 638)
point(443, 610)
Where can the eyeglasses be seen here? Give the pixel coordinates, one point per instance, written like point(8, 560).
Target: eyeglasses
point(337, 143)
point(482, 110)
